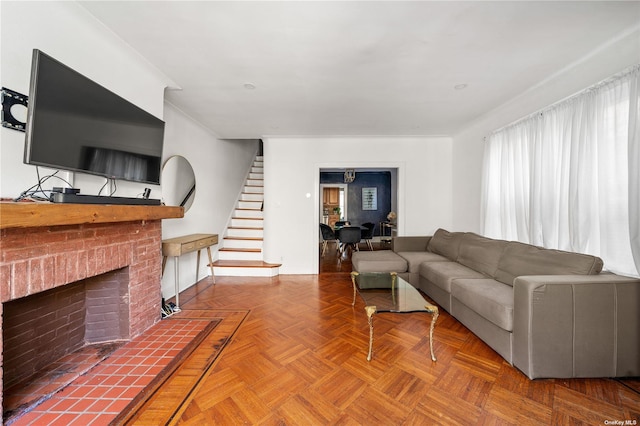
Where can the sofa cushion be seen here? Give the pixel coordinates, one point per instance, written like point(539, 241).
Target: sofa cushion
point(480, 253)
point(524, 259)
point(487, 297)
point(378, 261)
point(441, 274)
point(446, 243)
point(410, 243)
point(415, 258)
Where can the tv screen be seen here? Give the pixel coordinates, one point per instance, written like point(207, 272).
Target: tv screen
point(76, 124)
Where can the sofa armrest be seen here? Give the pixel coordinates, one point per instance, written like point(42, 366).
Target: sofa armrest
point(410, 243)
point(576, 325)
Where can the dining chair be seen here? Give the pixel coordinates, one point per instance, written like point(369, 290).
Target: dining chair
point(367, 233)
point(327, 236)
point(349, 236)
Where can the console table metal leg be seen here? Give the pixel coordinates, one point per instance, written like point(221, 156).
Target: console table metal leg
point(177, 273)
point(370, 310)
point(197, 265)
point(211, 264)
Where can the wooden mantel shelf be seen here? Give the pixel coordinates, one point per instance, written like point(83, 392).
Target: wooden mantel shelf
point(34, 214)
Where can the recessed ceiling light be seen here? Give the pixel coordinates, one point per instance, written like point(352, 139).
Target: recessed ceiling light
point(249, 86)
point(460, 86)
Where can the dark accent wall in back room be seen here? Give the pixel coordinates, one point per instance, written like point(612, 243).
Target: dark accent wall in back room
point(358, 216)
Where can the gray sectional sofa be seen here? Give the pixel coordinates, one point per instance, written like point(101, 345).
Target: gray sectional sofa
point(550, 313)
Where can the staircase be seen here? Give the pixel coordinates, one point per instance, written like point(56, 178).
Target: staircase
point(240, 254)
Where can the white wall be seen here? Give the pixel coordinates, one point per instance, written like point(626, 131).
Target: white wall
point(67, 32)
point(220, 167)
point(292, 180)
point(468, 147)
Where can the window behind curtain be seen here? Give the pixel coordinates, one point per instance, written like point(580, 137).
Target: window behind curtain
point(568, 177)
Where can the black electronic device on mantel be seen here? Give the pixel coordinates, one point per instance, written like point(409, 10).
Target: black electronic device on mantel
point(76, 124)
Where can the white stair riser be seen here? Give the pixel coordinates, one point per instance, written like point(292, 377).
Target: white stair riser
point(257, 176)
point(256, 170)
point(243, 232)
point(239, 255)
point(254, 182)
point(251, 214)
point(246, 223)
point(231, 243)
point(254, 189)
point(252, 197)
point(256, 205)
point(246, 272)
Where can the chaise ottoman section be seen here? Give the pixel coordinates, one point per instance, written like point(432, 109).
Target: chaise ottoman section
point(378, 261)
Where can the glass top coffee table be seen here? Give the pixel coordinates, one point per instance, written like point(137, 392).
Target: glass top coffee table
point(386, 292)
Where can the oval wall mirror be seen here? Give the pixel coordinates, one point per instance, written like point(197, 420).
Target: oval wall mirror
point(178, 182)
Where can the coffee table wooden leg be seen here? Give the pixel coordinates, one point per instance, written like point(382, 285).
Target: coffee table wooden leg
point(434, 317)
point(370, 310)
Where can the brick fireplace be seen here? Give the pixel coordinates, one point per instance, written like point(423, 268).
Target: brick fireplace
point(106, 275)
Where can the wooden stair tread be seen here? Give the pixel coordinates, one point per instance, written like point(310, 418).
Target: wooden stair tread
point(246, 250)
point(244, 264)
point(243, 227)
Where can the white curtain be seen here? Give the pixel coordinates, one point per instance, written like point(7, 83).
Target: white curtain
point(568, 177)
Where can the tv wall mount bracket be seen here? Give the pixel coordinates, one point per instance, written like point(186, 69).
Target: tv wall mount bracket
point(14, 110)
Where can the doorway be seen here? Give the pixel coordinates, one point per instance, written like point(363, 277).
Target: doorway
point(333, 203)
point(369, 198)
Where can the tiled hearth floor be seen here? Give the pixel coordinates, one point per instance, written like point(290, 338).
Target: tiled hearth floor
point(94, 385)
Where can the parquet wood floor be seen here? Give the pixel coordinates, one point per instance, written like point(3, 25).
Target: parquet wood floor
point(299, 358)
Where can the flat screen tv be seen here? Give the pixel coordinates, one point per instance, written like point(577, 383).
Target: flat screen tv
point(76, 124)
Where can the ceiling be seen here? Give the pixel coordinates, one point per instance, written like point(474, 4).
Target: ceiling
point(254, 69)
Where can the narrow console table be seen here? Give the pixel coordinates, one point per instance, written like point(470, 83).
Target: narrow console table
point(384, 239)
point(176, 247)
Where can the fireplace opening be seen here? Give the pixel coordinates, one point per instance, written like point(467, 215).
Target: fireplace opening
point(42, 328)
